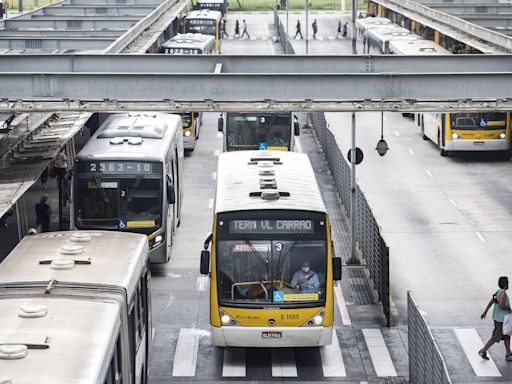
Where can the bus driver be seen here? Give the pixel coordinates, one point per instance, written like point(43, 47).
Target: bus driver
point(305, 279)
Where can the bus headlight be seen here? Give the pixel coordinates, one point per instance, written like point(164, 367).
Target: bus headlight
point(187, 133)
point(156, 241)
point(318, 320)
point(225, 319)
point(502, 135)
point(455, 136)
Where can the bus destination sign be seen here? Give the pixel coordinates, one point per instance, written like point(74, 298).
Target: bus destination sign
point(119, 167)
point(271, 226)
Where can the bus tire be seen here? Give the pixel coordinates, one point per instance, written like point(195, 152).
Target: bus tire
point(444, 152)
point(424, 136)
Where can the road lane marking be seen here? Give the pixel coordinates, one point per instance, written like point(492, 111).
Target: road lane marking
point(397, 134)
point(283, 363)
point(411, 151)
point(234, 362)
point(210, 203)
point(219, 135)
point(429, 174)
point(214, 175)
point(481, 237)
point(185, 356)
point(342, 305)
point(202, 283)
point(453, 203)
point(471, 343)
point(332, 359)
point(379, 353)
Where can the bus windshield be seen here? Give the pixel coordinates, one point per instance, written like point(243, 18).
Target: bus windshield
point(263, 272)
point(132, 202)
point(258, 132)
point(478, 121)
point(204, 26)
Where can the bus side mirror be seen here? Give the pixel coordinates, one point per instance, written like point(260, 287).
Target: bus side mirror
point(296, 128)
point(205, 262)
point(336, 268)
point(220, 124)
point(171, 196)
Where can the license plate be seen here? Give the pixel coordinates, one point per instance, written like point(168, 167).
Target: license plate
point(478, 143)
point(271, 335)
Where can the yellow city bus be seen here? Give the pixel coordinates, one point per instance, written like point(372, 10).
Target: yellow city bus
point(466, 131)
point(206, 22)
point(272, 263)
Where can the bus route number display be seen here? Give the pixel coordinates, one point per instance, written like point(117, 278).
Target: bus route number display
point(271, 226)
point(118, 167)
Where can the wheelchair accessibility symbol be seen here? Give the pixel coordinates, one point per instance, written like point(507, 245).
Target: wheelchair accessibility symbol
point(278, 296)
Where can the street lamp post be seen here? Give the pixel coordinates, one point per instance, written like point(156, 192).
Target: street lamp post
point(287, 36)
point(307, 26)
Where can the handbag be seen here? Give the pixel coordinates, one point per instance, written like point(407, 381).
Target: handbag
point(507, 325)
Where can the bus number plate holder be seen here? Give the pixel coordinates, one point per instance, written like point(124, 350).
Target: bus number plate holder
point(478, 143)
point(271, 335)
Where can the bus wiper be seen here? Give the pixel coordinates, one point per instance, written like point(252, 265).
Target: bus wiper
point(135, 187)
point(103, 193)
point(300, 238)
point(258, 255)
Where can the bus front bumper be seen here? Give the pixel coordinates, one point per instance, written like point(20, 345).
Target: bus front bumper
point(189, 142)
point(254, 336)
point(477, 145)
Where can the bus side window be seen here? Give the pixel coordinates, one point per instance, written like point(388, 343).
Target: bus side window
point(140, 320)
point(114, 374)
point(143, 301)
point(132, 329)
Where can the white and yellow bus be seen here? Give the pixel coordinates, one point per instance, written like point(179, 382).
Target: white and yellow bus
point(272, 264)
point(129, 177)
point(189, 44)
point(206, 22)
point(273, 131)
point(76, 308)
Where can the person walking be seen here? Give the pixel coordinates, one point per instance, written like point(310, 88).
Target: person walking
point(43, 213)
point(44, 177)
point(501, 308)
point(315, 29)
point(237, 29)
point(224, 33)
point(340, 27)
point(60, 165)
point(345, 28)
point(244, 25)
point(297, 27)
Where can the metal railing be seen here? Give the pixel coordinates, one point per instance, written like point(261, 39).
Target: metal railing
point(426, 365)
point(371, 246)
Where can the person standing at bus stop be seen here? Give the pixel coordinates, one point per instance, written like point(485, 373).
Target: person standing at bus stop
point(43, 213)
point(60, 165)
point(501, 308)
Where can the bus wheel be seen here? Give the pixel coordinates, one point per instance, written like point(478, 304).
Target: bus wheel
point(444, 152)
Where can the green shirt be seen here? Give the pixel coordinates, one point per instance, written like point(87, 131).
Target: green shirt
point(498, 314)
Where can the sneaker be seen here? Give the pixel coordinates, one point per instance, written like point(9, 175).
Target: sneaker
point(508, 357)
point(483, 355)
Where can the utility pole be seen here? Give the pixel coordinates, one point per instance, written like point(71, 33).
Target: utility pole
point(287, 36)
point(353, 197)
point(307, 26)
point(20, 6)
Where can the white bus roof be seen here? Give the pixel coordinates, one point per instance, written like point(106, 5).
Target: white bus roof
point(156, 131)
point(116, 259)
point(204, 14)
point(371, 22)
point(416, 47)
point(210, 1)
point(190, 40)
point(241, 173)
point(388, 33)
point(80, 336)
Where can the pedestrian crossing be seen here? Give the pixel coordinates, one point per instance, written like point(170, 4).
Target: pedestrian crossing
point(355, 353)
point(265, 37)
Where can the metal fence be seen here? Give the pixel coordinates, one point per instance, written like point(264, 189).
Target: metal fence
point(370, 244)
point(426, 365)
point(282, 35)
